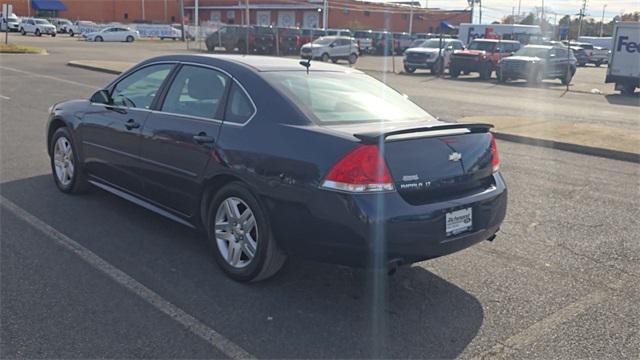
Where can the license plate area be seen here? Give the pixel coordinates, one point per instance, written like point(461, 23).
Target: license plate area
point(458, 221)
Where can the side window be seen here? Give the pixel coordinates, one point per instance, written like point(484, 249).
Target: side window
point(239, 107)
point(140, 88)
point(196, 91)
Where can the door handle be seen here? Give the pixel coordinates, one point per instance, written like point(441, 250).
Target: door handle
point(203, 138)
point(131, 124)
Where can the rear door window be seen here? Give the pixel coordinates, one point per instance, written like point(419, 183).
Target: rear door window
point(196, 91)
point(239, 107)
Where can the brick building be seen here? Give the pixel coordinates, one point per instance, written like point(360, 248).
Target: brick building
point(302, 13)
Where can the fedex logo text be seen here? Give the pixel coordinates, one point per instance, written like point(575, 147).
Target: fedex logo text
point(629, 46)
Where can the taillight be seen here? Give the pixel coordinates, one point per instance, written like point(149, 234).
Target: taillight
point(361, 170)
point(495, 157)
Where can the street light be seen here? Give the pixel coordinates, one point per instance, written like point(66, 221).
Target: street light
point(602, 21)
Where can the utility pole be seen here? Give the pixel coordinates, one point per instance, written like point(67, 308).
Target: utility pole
point(513, 15)
point(602, 21)
point(196, 15)
point(582, 13)
point(325, 14)
point(472, 4)
point(542, 16)
point(181, 5)
point(411, 20)
point(519, 6)
point(480, 11)
point(142, 4)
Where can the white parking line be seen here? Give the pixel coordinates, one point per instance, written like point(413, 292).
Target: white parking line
point(48, 77)
point(191, 323)
point(5, 97)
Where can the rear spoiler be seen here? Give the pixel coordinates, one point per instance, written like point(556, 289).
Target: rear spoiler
point(374, 137)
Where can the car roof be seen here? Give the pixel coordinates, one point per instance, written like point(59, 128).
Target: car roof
point(496, 40)
point(548, 47)
point(256, 63)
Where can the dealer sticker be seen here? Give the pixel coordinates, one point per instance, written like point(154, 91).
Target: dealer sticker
point(459, 221)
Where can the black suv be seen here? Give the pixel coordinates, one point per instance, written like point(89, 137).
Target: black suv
point(261, 39)
point(537, 62)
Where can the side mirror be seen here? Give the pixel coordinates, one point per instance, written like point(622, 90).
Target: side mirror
point(332, 45)
point(102, 97)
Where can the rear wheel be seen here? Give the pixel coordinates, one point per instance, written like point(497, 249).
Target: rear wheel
point(65, 166)
point(325, 57)
point(353, 58)
point(130, 38)
point(454, 71)
point(53, 35)
point(485, 71)
point(38, 32)
point(240, 235)
point(99, 39)
point(23, 32)
point(334, 60)
point(566, 79)
point(598, 63)
point(409, 69)
point(71, 33)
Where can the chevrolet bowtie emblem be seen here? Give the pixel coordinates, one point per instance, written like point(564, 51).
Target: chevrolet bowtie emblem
point(456, 156)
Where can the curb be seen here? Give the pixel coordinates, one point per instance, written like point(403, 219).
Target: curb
point(94, 68)
point(575, 148)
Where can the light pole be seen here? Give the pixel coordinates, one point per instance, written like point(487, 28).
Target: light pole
point(196, 19)
point(142, 4)
point(602, 21)
point(411, 20)
point(325, 14)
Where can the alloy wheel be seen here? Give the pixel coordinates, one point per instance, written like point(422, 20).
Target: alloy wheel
point(236, 232)
point(63, 161)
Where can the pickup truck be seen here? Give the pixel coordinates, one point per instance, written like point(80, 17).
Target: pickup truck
point(595, 55)
point(481, 56)
point(624, 65)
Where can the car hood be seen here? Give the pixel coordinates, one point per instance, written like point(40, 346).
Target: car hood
point(522, 58)
point(470, 52)
point(421, 50)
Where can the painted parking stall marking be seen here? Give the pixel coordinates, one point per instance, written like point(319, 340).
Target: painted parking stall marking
point(194, 325)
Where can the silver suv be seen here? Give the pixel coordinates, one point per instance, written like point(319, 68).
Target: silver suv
point(332, 48)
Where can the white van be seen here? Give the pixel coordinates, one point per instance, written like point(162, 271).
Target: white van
point(624, 64)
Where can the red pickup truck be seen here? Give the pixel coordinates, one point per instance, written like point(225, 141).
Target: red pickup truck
point(481, 56)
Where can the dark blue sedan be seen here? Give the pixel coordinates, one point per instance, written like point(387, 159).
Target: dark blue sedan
point(272, 159)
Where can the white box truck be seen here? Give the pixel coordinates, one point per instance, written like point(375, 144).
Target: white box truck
point(624, 64)
point(522, 33)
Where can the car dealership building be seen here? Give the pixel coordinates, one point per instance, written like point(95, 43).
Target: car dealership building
point(300, 13)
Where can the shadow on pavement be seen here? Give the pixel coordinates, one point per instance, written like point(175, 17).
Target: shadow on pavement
point(628, 100)
point(310, 310)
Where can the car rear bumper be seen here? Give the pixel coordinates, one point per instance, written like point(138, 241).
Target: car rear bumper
point(363, 230)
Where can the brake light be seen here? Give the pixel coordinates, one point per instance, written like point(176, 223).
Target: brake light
point(495, 157)
point(361, 170)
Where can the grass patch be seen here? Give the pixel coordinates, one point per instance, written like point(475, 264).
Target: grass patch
point(19, 49)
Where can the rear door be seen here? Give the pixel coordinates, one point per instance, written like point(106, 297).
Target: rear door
point(179, 139)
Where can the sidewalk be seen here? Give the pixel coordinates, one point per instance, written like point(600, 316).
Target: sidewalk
point(585, 138)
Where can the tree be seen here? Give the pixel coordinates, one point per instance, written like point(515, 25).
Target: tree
point(530, 19)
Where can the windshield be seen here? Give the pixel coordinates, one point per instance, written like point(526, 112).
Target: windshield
point(331, 98)
point(532, 52)
point(323, 41)
point(41, 21)
point(482, 45)
point(433, 44)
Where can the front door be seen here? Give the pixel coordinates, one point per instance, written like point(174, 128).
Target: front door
point(111, 133)
point(179, 140)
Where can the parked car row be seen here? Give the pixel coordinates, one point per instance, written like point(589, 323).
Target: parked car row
point(508, 59)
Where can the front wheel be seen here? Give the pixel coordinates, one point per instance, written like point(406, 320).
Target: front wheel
point(130, 38)
point(65, 166)
point(353, 58)
point(23, 32)
point(334, 60)
point(71, 33)
point(98, 39)
point(240, 235)
point(53, 35)
point(454, 71)
point(566, 79)
point(409, 69)
point(38, 32)
point(325, 57)
point(500, 76)
point(598, 63)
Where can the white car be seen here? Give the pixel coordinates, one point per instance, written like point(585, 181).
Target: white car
point(37, 26)
point(115, 33)
point(80, 27)
point(62, 25)
point(430, 54)
point(12, 22)
point(332, 48)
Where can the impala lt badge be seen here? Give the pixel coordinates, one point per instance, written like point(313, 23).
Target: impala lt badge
point(456, 156)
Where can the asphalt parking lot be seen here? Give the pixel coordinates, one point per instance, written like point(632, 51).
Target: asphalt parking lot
point(95, 276)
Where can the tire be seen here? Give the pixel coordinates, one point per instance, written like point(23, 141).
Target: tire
point(598, 63)
point(325, 57)
point(227, 241)
point(23, 32)
point(66, 169)
point(409, 69)
point(534, 78)
point(130, 38)
point(71, 33)
point(566, 79)
point(98, 39)
point(454, 72)
point(37, 33)
point(353, 58)
point(466, 72)
point(500, 76)
point(437, 68)
point(53, 35)
point(485, 71)
point(334, 60)
point(628, 89)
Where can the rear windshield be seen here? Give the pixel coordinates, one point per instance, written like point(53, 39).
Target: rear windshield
point(532, 52)
point(334, 98)
point(482, 45)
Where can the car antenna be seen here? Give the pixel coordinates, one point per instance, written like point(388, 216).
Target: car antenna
point(306, 64)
